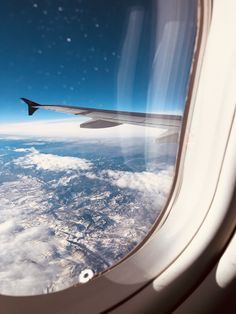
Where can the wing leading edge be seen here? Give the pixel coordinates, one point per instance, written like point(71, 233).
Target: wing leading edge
point(110, 118)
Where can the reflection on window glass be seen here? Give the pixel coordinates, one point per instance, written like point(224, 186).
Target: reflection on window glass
point(75, 201)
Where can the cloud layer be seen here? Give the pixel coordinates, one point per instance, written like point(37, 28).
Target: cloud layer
point(70, 129)
point(146, 182)
point(50, 162)
point(60, 215)
point(28, 248)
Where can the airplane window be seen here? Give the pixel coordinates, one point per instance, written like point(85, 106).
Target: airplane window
point(87, 157)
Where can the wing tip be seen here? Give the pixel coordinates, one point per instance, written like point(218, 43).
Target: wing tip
point(32, 106)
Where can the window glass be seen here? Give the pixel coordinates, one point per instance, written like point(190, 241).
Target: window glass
point(76, 200)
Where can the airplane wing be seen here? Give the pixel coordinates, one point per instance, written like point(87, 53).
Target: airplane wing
point(100, 118)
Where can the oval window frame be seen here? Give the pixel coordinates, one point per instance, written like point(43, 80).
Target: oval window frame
point(122, 280)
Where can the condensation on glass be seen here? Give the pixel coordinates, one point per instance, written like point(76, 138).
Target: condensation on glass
point(75, 201)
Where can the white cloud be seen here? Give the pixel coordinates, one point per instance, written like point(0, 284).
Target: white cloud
point(141, 181)
point(34, 259)
point(51, 162)
point(34, 143)
point(27, 258)
point(154, 186)
point(91, 175)
point(69, 129)
point(22, 150)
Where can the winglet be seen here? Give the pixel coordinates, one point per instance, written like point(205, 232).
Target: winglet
point(32, 106)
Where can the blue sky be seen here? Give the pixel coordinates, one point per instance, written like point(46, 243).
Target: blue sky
point(126, 55)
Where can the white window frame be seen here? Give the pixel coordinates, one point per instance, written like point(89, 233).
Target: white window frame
point(156, 274)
